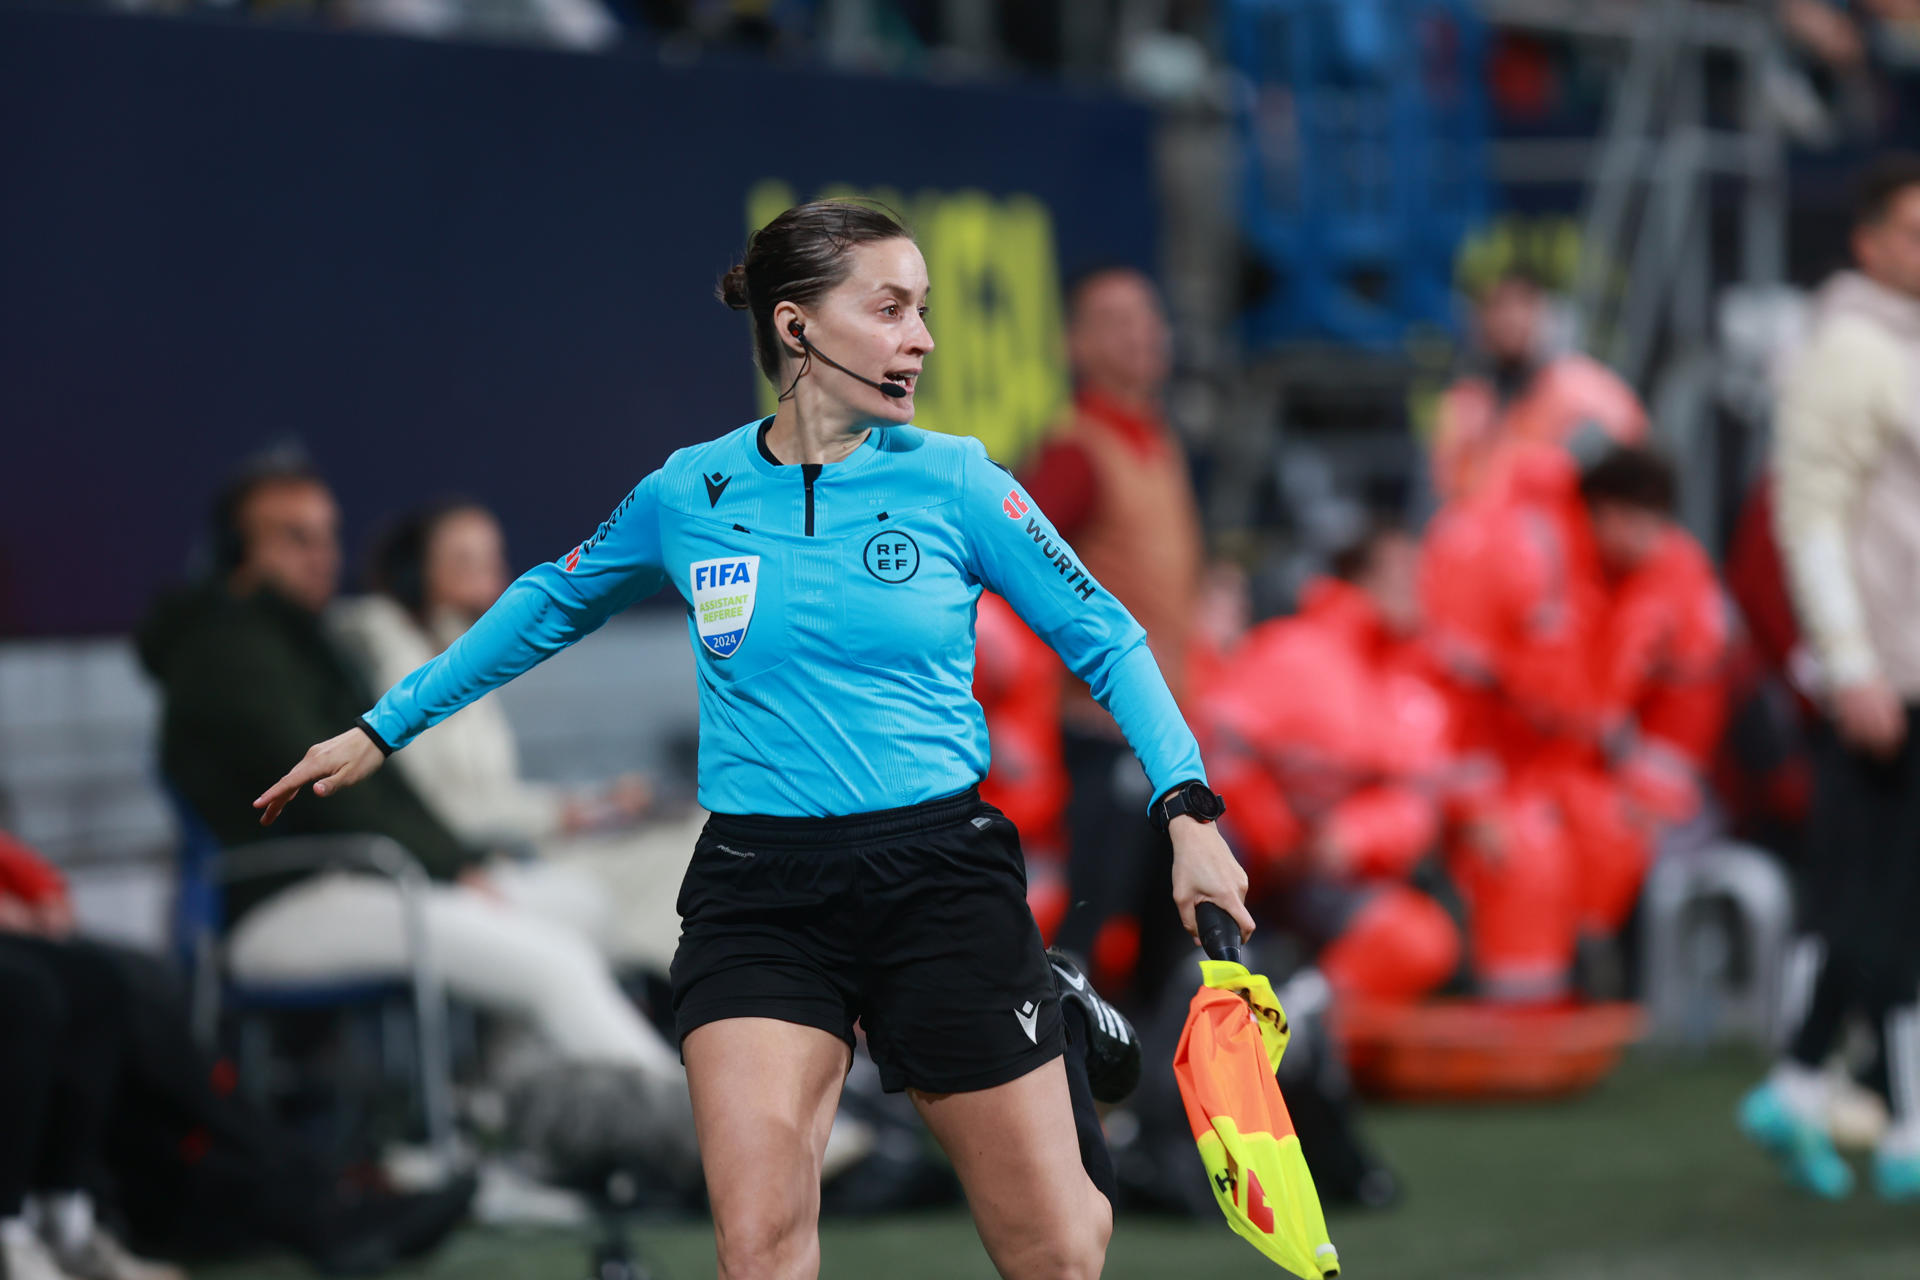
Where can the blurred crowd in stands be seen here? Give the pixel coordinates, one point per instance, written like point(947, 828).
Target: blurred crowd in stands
point(1834, 85)
point(1045, 36)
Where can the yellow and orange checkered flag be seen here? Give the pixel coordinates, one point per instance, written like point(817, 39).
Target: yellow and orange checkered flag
point(1229, 1051)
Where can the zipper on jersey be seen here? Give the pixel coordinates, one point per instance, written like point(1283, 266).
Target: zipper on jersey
point(809, 472)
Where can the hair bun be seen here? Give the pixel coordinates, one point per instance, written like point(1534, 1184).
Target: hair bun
point(733, 287)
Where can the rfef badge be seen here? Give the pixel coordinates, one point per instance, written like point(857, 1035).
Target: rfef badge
point(723, 594)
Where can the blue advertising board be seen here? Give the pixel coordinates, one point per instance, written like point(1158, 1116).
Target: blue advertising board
point(469, 269)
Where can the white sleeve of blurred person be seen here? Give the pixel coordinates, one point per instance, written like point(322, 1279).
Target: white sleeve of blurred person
point(467, 768)
point(1839, 407)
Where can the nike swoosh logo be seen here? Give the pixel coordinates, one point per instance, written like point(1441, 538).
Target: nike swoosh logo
point(715, 490)
point(1028, 1018)
point(1077, 981)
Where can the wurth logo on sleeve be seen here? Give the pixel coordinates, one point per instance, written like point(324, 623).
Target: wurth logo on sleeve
point(1057, 552)
point(572, 561)
point(1013, 504)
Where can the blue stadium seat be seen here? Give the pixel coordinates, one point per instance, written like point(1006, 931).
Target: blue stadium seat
point(205, 868)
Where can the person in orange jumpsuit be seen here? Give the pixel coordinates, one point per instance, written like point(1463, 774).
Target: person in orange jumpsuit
point(1660, 663)
point(1510, 591)
point(1520, 393)
point(1330, 747)
point(1582, 633)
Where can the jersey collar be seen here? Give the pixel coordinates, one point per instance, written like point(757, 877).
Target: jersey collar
point(767, 465)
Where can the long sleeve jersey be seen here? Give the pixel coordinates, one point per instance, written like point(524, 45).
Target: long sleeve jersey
point(831, 611)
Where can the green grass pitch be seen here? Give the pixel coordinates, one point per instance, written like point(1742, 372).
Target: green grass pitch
point(1644, 1178)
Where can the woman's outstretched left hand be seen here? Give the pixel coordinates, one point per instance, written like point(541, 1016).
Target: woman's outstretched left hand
point(330, 766)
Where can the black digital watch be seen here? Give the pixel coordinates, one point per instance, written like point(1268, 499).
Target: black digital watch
point(1194, 799)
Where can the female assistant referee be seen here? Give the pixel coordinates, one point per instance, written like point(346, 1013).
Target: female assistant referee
point(831, 557)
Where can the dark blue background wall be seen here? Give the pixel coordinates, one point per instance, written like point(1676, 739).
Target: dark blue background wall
point(439, 268)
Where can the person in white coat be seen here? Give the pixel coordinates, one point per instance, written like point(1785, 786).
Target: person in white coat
point(595, 863)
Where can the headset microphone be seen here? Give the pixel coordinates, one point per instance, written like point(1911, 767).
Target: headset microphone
point(893, 390)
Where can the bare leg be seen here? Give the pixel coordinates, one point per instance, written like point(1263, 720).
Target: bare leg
point(764, 1096)
point(1014, 1147)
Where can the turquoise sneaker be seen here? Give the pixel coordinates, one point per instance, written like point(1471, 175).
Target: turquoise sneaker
point(1804, 1151)
point(1896, 1178)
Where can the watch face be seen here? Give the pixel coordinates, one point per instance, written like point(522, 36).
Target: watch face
point(1202, 802)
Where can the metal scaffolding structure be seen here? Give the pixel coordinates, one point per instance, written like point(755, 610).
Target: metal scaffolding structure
point(1650, 171)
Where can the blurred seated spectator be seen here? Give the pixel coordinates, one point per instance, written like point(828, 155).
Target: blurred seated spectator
point(1664, 640)
point(1582, 637)
point(1330, 745)
point(1017, 682)
point(248, 677)
point(60, 1042)
point(1660, 662)
point(106, 1090)
point(591, 871)
point(1521, 390)
point(1222, 618)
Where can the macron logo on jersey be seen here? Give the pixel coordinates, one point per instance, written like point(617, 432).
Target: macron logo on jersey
point(1013, 504)
point(723, 595)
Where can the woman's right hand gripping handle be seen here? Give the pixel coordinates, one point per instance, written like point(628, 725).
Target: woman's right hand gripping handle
point(1219, 932)
point(330, 766)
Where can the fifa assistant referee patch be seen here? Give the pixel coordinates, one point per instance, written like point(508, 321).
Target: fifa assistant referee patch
point(723, 595)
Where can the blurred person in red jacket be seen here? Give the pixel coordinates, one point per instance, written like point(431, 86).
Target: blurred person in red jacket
point(1017, 681)
point(1521, 392)
point(1331, 745)
point(1114, 479)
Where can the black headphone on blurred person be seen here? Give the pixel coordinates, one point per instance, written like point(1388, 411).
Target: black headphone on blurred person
point(225, 538)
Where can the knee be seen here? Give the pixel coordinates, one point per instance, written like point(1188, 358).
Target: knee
point(1078, 1259)
point(1075, 1250)
point(768, 1243)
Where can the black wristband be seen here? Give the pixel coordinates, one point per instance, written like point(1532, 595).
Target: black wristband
point(361, 724)
point(1192, 798)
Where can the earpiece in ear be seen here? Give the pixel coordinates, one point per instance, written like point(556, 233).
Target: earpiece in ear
point(794, 327)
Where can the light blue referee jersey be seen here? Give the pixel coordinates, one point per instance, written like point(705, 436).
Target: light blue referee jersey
point(831, 610)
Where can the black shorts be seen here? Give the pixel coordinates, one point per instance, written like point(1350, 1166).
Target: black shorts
point(913, 921)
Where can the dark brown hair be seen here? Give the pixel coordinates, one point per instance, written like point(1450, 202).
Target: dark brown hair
point(398, 566)
point(268, 470)
point(799, 257)
point(1353, 559)
point(1881, 183)
point(1632, 476)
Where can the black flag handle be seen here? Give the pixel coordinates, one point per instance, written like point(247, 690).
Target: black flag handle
point(1218, 932)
